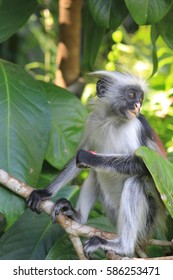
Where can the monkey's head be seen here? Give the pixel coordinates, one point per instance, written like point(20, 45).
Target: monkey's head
point(122, 94)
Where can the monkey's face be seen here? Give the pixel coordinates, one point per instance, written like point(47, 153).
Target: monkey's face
point(134, 97)
point(120, 97)
point(127, 102)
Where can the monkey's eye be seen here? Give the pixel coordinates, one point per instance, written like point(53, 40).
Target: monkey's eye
point(132, 95)
point(140, 99)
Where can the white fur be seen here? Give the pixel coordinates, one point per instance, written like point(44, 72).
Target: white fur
point(122, 78)
point(110, 134)
point(90, 191)
point(106, 136)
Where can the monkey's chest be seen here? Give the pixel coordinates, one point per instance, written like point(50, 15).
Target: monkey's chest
point(109, 139)
point(112, 140)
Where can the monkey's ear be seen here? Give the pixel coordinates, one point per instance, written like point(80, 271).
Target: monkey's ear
point(100, 88)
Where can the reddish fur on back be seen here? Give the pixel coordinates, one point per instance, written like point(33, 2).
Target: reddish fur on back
point(160, 144)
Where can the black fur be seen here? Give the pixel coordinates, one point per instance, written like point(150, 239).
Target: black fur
point(63, 206)
point(146, 131)
point(35, 197)
point(130, 165)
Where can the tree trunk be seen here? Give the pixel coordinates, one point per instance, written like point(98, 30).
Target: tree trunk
point(68, 50)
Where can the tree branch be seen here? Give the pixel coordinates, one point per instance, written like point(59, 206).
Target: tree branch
point(74, 229)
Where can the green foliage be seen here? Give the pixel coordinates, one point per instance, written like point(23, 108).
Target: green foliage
point(41, 124)
point(161, 171)
point(33, 235)
point(148, 12)
point(110, 14)
point(68, 117)
point(62, 250)
point(9, 23)
point(164, 28)
point(91, 46)
point(24, 127)
point(26, 109)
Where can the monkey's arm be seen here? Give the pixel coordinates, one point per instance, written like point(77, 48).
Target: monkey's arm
point(87, 197)
point(125, 164)
point(67, 174)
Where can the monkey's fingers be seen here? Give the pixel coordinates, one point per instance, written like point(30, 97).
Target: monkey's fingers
point(33, 201)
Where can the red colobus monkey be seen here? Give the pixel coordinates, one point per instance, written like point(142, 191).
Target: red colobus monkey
point(114, 130)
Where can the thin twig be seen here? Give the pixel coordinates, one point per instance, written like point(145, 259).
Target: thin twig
point(78, 246)
point(160, 242)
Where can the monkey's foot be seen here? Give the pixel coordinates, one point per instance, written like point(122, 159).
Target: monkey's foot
point(93, 244)
point(96, 242)
point(63, 206)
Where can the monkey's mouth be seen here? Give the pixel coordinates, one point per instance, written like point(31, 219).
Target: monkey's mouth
point(132, 113)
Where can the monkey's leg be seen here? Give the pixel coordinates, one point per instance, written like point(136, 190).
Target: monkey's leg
point(125, 164)
point(133, 221)
point(136, 215)
point(87, 197)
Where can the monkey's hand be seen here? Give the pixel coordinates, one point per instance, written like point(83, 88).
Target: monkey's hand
point(84, 158)
point(33, 201)
point(63, 206)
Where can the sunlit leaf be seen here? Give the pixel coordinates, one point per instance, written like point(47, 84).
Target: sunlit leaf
point(162, 172)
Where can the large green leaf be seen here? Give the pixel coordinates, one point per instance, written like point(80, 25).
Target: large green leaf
point(93, 36)
point(98, 16)
point(147, 11)
point(68, 117)
point(13, 14)
point(24, 132)
point(62, 250)
point(108, 13)
point(162, 172)
point(165, 28)
point(32, 236)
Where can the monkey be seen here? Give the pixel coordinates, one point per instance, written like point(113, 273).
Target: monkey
point(114, 129)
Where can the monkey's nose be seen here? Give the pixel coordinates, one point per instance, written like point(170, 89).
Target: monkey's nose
point(137, 105)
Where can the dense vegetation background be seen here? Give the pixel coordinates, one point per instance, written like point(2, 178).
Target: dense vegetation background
point(47, 47)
